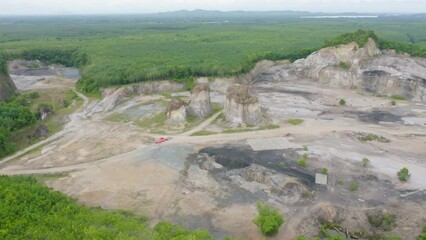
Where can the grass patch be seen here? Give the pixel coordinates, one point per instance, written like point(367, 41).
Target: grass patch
point(167, 95)
point(237, 130)
point(344, 65)
point(398, 97)
point(153, 122)
point(354, 186)
point(203, 133)
point(295, 122)
point(118, 117)
point(368, 137)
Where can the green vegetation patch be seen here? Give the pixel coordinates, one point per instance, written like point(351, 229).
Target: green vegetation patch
point(269, 219)
point(295, 122)
point(360, 37)
point(423, 235)
point(404, 175)
point(303, 162)
point(398, 97)
point(21, 116)
point(29, 210)
point(344, 65)
point(382, 220)
point(354, 186)
point(203, 133)
point(134, 49)
point(368, 137)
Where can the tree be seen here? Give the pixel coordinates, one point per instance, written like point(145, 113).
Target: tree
point(403, 175)
point(269, 219)
point(365, 162)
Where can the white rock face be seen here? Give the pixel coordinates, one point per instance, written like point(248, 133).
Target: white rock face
point(219, 85)
point(176, 112)
point(200, 105)
point(241, 107)
point(367, 68)
point(112, 97)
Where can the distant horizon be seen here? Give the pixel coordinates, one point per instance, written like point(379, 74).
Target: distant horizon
point(319, 13)
point(125, 7)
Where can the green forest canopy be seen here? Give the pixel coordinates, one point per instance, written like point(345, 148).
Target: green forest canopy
point(29, 210)
point(120, 50)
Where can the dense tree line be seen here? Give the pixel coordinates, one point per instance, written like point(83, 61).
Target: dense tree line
point(13, 117)
point(360, 37)
point(97, 78)
point(29, 210)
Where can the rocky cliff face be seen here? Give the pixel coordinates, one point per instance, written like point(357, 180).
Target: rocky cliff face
point(200, 105)
point(367, 68)
point(176, 112)
point(7, 87)
point(112, 97)
point(241, 107)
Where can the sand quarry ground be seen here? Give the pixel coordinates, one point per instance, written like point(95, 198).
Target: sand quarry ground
point(214, 181)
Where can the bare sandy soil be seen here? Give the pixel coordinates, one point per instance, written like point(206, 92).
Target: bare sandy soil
point(214, 181)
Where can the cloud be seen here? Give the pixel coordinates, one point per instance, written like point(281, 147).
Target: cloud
point(142, 6)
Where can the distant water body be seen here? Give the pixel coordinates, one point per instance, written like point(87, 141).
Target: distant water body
point(340, 16)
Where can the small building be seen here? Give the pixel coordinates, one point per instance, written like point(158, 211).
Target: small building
point(321, 179)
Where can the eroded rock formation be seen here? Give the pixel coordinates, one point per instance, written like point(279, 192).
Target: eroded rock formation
point(200, 105)
point(366, 68)
point(112, 97)
point(241, 107)
point(176, 112)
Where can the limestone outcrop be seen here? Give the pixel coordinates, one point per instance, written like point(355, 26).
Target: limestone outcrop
point(366, 68)
point(200, 105)
point(112, 97)
point(176, 112)
point(7, 87)
point(241, 107)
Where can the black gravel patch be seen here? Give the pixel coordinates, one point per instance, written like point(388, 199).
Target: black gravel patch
point(232, 157)
point(375, 116)
point(307, 95)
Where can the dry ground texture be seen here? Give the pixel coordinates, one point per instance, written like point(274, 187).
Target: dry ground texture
point(214, 181)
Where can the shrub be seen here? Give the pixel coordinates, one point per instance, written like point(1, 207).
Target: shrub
point(269, 219)
point(368, 137)
point(34, 95)
point(340, 182)
point(365, 162)
point(324, 171)
point(393, 103)
point(354, 186)
point(423, 236)
point(303, 162)
point(283, 165)
point(342, 102)
point(382, 220)
point(403, 175)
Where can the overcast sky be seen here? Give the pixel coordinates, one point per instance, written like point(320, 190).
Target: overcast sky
point(22, 7)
